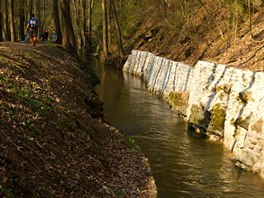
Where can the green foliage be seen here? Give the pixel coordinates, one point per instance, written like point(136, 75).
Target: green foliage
point(130, 142)
point(97, 15)
point(130, 30)
point(131, 14)
point(2, 78)
point(26, 97)
point(10, 187)
point(6, 192)
point(119, 193)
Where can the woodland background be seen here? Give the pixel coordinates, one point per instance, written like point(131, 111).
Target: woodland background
point(183, 30)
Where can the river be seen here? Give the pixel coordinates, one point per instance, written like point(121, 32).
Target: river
point(182, 165)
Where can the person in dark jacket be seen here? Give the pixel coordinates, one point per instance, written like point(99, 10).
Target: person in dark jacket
point(44, 35)
point(32, 25)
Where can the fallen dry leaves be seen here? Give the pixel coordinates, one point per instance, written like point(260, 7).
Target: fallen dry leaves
point(53, 141)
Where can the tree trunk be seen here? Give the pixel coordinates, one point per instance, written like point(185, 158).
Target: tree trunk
point(56, 21)
point(30, 8)
point(21, 19)
point(84, 6)
point(6, 31)
point(38, 16)
point(44, 15)
point(118, 32)
point(109, 24)
point(105, 40)
point(90, 12)
point(250, 18)
point(68, 33)
point(11, 19)
point(64, 33)
point(84, 22)
point(78, 17)
point(1, 37)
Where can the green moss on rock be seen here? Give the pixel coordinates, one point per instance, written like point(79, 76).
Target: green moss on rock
point(217, 119)
point(179, 101)
point(197, 115)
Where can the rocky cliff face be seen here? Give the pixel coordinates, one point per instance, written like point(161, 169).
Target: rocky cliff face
point(223, 103)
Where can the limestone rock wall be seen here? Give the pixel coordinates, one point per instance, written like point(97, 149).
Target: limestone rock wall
point(223, 103)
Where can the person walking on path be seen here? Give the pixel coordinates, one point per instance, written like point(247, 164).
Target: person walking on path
point(32, 25)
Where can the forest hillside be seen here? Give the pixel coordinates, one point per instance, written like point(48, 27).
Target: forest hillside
point(224, 31)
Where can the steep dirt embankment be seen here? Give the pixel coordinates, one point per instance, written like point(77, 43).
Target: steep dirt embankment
point(53, 141)
point(213, 31)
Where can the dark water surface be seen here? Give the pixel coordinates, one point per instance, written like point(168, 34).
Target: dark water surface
point(182, 166)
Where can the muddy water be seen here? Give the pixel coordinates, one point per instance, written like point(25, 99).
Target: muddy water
point(182, 165)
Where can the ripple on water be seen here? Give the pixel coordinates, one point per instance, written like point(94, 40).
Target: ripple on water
point(182, 166)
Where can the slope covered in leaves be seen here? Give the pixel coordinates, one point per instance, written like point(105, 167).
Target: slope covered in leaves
point(53, 141)
point(218, 31)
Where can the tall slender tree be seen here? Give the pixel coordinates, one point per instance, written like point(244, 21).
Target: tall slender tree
point(38, 14)
point(1, 36)
point(84, 6)
point(69, 40)
point(30, 8)
point(84, 22)
point(6, 31)
point(21, 19)
point(56, 21)
point(90, 12)
point(118, 32)
point(11, 19)
point(78, 19)
point(109, 23)
point(105, 32)
point(250, 18)
point(44, 15)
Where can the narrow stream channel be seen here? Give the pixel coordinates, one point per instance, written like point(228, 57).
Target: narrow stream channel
point(182, 166)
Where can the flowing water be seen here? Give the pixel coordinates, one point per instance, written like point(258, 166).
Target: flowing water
point(182, 165)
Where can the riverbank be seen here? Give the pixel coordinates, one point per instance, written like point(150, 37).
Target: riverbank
point(219, 102)
point(54, 141)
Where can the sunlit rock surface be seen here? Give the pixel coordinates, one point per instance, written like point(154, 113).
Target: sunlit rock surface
point(223, 103)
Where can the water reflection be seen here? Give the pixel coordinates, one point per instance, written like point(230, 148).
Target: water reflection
point(182, 166)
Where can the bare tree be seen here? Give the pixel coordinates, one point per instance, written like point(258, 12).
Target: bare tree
point(109, 23)
point(1, 36)
point(118, 32)
point(56, 21)
point(44, 14)
point(11, 19)
point(250, 18)
point(105, 34)
point(21, 19)
point(38, 15)
point(78, 18)
point(6, 30)
point(30, 8)
point(69, 40)
point(90, 12)
point(84, 27)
